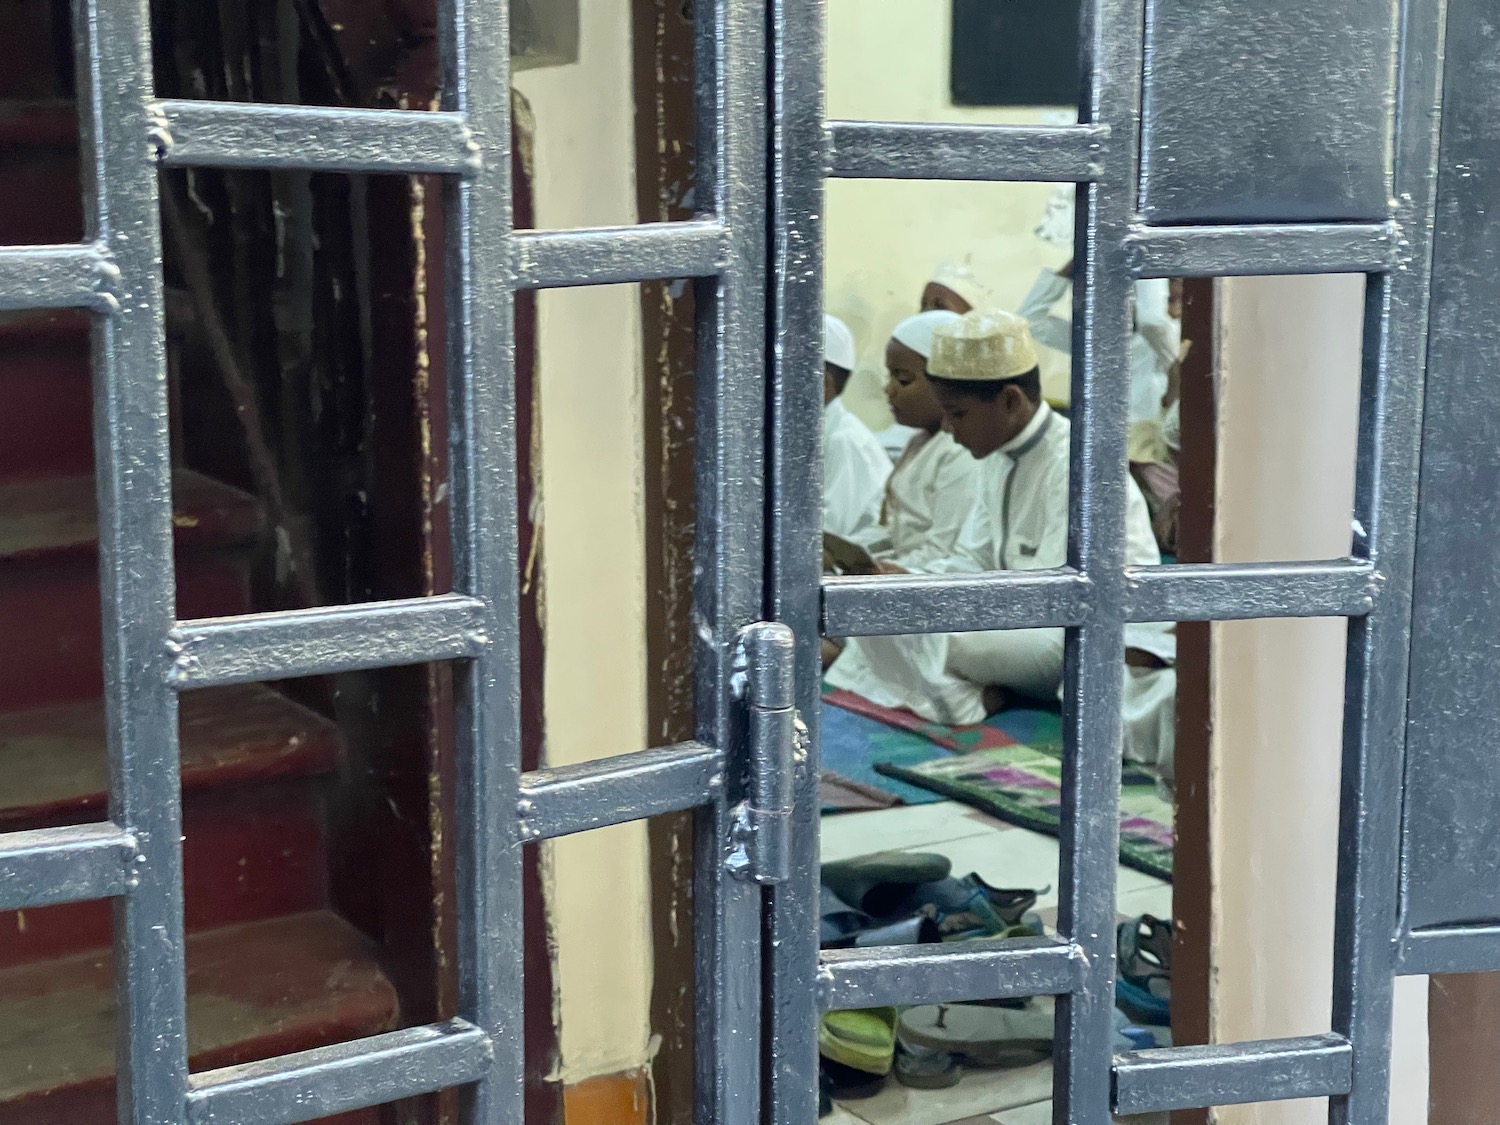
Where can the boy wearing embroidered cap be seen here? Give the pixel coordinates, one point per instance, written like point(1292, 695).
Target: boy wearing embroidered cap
point(855, 464)
point(983, 370)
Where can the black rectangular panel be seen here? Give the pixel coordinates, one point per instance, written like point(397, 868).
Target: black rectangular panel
point(1452, 829)
point(1015, 52)
point(1267, 111)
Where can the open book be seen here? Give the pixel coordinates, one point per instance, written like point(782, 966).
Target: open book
point(844, 556)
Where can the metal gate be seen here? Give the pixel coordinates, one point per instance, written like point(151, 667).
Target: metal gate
point(1165, 193)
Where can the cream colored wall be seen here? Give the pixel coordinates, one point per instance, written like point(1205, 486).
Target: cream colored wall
point(590, 377)
point(1289, 383)
point(888, 60)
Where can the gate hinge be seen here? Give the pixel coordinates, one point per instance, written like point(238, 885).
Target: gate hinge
point(764, 662)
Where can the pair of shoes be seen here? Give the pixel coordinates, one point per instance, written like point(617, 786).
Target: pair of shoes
point(1143, 984)
point(890, 888)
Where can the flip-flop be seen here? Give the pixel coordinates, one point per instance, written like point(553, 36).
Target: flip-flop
point(1143, 985)
point(878, 884)
point(862, 1038)
point(924, 1069)
point(979, 1036)
point(847, 1083)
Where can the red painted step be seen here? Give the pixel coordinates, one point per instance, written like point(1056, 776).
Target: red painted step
point(39, 174)
point(45, 428)
point(49, 582)
point(254, 992)
point(254, 842)
point(39, 164)
point(54, 516)
point(53, 768)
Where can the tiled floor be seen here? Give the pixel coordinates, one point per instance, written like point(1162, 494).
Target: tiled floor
point(1004, 856)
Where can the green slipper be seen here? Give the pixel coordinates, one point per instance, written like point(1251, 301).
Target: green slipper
point(864, 1038)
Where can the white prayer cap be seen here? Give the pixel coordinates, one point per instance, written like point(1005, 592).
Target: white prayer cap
point(961, 280)
point(838, 343)
point(916, 331)
point(981, 346)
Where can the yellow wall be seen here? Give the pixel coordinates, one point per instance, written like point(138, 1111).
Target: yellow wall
point(1288, 398)
point(589, 376)
point(888, 60)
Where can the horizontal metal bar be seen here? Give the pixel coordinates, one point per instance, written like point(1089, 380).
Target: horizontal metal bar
point(1270, 1070)
point(911, 151)
point(1245, 591)
point(934, 974)
point(893, 605)
point(312, 138)
point(75, 863)
point(317, 642)
point(1451, 949)
point(1238, 251)
point(57, 277)
point(558, 259)
point(347, 1076)
point(575, 798)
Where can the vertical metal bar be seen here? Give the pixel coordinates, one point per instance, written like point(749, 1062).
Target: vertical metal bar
point(1111, 48)
point(481, 304)
point(794, 346)
point(730, 92)
point(136, 580)
point(1396, 311)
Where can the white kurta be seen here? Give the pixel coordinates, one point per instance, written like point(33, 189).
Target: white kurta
point(928, 499)
point(855, 469)
point(1153, 344)
point(1019, 523)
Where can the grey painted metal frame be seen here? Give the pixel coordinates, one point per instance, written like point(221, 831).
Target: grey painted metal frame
point(135, 858)
point(1095, 594)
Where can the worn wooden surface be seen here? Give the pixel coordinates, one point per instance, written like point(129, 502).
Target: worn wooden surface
point(254, 992)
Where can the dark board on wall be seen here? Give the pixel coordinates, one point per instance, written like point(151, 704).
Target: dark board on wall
point(1015, 52)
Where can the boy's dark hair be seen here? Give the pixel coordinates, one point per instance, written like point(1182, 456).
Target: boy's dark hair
point(988, 390)
point(839, 375)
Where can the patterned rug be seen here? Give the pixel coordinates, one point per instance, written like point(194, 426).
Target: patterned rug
point(1021, 785)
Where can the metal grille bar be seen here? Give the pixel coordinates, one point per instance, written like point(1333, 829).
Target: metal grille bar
point(1232, 1074)
point(1459, 949)
point(348, 1076)
point(133, 481)
point(568, 799)
point(312, 138)
point(1239, 251)
point(314, 642)
point(979, 970)
point(57, 277)
point(1242, 591)
point(931, 603)
point(69, 864)
point(894, 151)
point(610, 255)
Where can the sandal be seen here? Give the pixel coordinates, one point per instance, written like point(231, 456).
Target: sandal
point(980, 1036)
point(1143, 986)
point(863, 1039)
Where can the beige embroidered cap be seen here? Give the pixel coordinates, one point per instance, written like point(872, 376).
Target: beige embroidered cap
point(982, 346)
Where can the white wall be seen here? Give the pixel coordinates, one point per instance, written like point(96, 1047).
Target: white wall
point(1289, 381)
point(590, 390)
point(888, 60)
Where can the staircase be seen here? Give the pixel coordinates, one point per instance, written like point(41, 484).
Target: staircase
point(270, 967)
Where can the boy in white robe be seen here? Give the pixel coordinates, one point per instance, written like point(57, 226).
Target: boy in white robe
point(932, 489)
point(983, 370)
point(855, 465)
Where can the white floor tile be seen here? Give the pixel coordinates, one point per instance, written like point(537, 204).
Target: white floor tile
point(1037, 1113)
point(903, 828)
point(1155, 900)
point(978, 1092)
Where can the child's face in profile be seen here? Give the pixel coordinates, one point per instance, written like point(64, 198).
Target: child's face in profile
point(908, 391)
